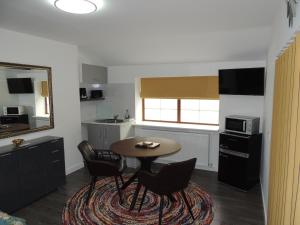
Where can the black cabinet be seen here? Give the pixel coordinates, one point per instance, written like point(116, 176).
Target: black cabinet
point(9, 183)
point(239, 159)
point(14, 119)
point(54, 152)
point(30, 172)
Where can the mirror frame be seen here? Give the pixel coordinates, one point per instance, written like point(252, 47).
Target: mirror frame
point(51, 110)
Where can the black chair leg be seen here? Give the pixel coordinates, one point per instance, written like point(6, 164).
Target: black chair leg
point(187, 204)
point(136, 194)
point(161, 208)
point(171, 197)
point(143, 198)
point(119, 190)
point(92, 185)
point(122, 179)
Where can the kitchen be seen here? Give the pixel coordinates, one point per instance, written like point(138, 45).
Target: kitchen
point(122, 93)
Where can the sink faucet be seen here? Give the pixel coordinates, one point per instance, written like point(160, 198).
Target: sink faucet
point(116, 116)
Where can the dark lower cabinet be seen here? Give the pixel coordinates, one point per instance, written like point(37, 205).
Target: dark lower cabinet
point(55, 163)
point(14, 119)
point(239, 159)
point(28, 173)
point(233, 170)
point(9, 183)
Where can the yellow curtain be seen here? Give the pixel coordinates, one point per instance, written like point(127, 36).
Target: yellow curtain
point(285, 145)
point(45, 89)
point(199, 87)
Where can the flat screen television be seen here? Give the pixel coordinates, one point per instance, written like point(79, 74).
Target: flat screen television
point(248, 81)
point(19, 85)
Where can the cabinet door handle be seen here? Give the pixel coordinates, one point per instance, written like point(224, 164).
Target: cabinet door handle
point(32, 147)
point(55, 161)
point(7, 154)
point(55, 151)
point(223, 146)
point(235, 135)
point(235, 153)
point(224, 156)
point(244, 126)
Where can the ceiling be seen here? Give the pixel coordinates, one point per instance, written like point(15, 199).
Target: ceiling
point(152, 31)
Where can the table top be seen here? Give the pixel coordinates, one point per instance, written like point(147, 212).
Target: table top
point(127, 147)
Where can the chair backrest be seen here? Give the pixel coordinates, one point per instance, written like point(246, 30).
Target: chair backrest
point(176, 176)
point(87, 151)
point(95, 166)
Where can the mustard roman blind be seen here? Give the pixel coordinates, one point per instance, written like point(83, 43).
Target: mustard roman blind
point(44, 89)
point(198, 87)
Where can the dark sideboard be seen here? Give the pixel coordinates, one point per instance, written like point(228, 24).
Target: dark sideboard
point(239, 159)
point(30, 171)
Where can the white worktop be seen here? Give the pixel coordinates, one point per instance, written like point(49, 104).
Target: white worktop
point(111, 124)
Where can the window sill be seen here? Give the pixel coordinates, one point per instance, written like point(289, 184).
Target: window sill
point(42, 117)
point(177, 127)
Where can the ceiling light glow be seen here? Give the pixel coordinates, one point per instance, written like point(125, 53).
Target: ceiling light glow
point(78, 6)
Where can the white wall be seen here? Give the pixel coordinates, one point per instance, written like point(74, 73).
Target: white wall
point(199, 144)
point(63, 58)
point(247, 105)
point(281, 37)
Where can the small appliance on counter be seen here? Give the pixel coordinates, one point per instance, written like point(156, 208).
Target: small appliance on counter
point(242, 124)
point(96, 94)
point(13, 110)
point(82, 92)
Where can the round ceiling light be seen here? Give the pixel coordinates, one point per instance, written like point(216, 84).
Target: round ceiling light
point(78, 6)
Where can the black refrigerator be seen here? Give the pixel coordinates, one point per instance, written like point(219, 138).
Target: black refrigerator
point(239, 159)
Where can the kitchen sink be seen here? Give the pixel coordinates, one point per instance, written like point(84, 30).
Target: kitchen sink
point(109, 121)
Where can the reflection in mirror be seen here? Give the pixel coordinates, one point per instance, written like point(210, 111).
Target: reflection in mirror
point(25, 99)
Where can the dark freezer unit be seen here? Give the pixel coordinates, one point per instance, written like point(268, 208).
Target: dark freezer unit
point(239, 159)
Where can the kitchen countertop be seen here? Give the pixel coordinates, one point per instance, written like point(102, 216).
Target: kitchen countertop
point(27, 143)
point(112, 124)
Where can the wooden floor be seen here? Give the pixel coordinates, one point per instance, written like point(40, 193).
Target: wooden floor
point(232, 207)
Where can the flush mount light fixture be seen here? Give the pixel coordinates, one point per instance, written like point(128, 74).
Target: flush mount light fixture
point(79, 6)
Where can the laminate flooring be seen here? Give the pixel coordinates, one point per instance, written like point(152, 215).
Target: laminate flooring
point(232, 206)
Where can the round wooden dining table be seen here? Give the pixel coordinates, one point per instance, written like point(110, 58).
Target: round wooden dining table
point(146, 156)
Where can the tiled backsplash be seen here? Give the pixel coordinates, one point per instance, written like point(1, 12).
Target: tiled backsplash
point(118, 98)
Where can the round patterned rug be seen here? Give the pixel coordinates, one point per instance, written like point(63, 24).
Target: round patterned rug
point(104, 207)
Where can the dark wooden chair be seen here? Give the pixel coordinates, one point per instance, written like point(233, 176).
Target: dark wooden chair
point(101, 163)
point(170, 179)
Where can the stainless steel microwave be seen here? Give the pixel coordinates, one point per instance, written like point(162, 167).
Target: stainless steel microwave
point(13, 110)
point(242, 124)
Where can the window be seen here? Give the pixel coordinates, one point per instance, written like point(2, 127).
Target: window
point(199, 111)
point(160, 110)
point(194, 111)
point(188, 99)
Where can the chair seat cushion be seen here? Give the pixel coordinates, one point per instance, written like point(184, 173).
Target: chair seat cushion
point(107, 155)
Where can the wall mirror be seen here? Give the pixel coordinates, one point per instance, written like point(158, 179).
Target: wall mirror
point(26, 102)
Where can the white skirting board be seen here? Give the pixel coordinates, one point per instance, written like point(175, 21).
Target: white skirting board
point(74, 168)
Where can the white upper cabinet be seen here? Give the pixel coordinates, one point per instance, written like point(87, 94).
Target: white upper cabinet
point(92, 74)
